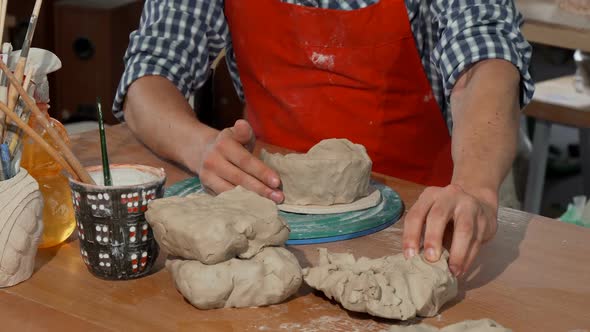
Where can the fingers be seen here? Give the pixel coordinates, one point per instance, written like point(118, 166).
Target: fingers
point(462, 242)
point(233, 174)
point(228, 163)
point(243, 133)
point(215, 184)
point(475, 247)
point(248, 163)
point(437, 220)
point(481, 228)
point(414, 222)
point(220, 174)
point(473, 223)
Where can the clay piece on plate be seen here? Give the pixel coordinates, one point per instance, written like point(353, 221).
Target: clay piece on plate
point(236, 223)
point(482, 325)
point(21, 227)
point(270, 277)
point(389, 287)
point(334, 171)
point(367, 202)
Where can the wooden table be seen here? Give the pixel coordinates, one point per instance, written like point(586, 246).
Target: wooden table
point(534, 276)
point(546, 23)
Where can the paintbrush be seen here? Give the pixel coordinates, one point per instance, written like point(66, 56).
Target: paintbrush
point(22, 61)
point(14, 135)
point(3, 6)
point(6, 50)
point(75, 171)
point(2, 173)
point(72, 162)
point(5, 159)
point(106, 168)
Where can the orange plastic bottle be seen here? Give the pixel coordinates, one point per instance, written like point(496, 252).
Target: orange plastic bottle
point(58, 214)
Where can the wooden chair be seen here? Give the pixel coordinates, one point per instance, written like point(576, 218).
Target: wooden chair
point(555, 101)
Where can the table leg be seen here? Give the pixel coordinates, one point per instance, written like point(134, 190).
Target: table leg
point(537, 167)
point(585, 158)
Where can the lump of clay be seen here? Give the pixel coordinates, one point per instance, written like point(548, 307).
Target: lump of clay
point(236, 223)
point(269, 277)
point(335, 171)
point(483, 325)
point(388, 287)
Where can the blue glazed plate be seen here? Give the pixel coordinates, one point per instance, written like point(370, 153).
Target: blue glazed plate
point(311, 229)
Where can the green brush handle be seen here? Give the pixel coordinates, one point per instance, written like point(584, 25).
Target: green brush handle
point(106, 168)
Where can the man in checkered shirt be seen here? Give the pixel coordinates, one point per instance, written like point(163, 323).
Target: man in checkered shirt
point(383, 73)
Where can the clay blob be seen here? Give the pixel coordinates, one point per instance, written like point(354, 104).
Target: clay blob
point(335, 171)
point(270, 277)
point(236, 223)
point(483, 325)
point(228, 249)
point(388, 287)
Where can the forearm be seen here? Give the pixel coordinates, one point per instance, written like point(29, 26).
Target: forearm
point(485, 109)
point(159, 115)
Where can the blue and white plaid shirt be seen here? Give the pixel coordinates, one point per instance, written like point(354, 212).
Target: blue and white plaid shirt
point(179, 39)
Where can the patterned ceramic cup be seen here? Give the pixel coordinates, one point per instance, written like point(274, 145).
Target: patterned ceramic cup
point(116, 242)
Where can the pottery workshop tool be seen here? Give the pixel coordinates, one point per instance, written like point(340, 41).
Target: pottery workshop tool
point(40, 63)
point(13, 135)
point(106, 168)
point(4, 86)
point(322, 228)
point(116, 242)
point(3, 7)
point(19, 71)
point(69, 160)
point(6, 50)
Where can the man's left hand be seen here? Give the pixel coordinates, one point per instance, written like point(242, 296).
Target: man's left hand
point(472, 214)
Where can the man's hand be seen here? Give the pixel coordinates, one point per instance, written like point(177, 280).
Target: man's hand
point(485, 110)
point(227, 161)
point(222, 159)
point(472, 217)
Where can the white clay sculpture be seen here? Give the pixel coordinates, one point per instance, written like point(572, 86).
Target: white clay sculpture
point(21, 227)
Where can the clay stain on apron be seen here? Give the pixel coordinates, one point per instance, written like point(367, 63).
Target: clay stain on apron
point(323, 61)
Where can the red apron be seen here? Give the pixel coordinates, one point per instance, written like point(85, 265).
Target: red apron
point(310, 74)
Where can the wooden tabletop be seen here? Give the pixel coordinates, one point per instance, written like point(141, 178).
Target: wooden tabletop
point(534, 276)
point(546, 23)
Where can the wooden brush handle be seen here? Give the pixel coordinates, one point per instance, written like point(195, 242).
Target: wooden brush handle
point(19, 73)
point(3, 7)
point(38, 139)
point(63, 148)
point(13, 94)
point(14, 137)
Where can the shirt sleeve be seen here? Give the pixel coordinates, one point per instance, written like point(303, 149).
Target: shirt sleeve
point(176, 39)
point(474, 30)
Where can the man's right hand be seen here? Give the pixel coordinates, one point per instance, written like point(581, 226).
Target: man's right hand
point(159, 115)
point(227, 161)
